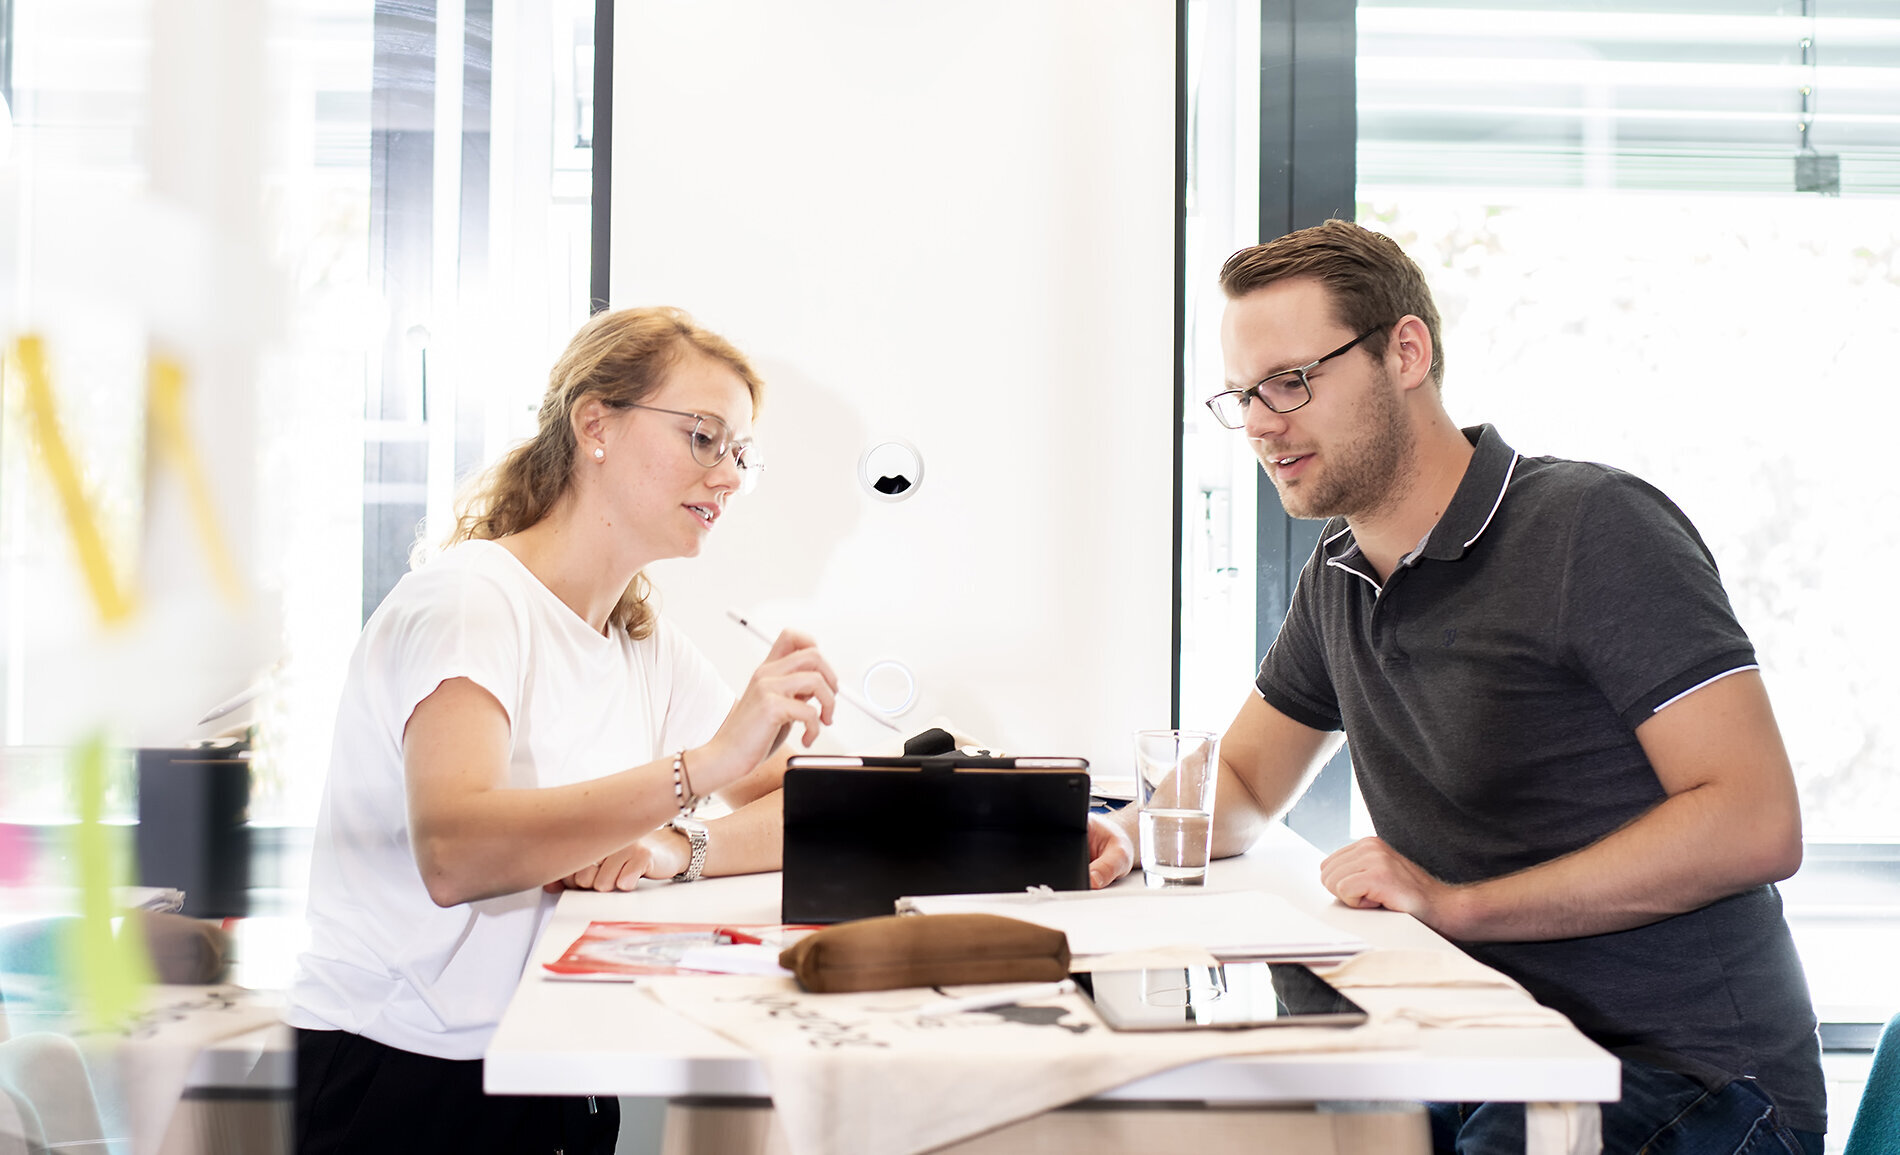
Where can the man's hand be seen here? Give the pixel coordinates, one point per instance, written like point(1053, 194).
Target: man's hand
point(1111, 850)
point(1368, 873)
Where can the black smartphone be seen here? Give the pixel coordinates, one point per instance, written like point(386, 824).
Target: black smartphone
point(1225, 996)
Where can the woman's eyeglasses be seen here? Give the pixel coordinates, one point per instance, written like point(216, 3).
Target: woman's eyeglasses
point(711, 439)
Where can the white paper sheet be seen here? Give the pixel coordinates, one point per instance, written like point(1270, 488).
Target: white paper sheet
point(1230, 924)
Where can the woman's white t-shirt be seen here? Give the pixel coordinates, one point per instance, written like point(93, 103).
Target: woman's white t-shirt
point(384, 960)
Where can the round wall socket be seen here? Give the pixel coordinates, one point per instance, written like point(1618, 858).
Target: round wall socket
point(890, 686)
point(891, 469)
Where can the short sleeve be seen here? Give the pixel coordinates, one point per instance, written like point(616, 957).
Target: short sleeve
point(1642, 604)
point(451, 623)
point(697, 699)
point(1294, 677)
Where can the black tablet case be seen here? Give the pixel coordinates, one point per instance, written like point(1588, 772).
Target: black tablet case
point(858, 839)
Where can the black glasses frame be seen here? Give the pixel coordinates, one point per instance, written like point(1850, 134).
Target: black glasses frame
point(1252, 393)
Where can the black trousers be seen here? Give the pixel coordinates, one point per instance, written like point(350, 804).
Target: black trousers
point(363, 1098)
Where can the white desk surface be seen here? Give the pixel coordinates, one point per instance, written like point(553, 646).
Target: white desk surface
point(597, 1038)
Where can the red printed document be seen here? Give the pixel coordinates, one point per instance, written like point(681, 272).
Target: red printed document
point(624, 951)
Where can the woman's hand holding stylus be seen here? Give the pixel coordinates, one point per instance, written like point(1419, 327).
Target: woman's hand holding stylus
point(794, 686)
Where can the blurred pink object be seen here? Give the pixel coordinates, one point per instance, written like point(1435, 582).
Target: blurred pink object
point(16, 854)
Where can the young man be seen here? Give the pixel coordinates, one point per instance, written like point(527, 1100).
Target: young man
point(1557, 724)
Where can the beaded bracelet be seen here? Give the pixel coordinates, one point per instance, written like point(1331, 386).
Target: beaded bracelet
point(682, 785)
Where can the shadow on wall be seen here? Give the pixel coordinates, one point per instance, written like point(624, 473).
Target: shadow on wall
point(772, 545)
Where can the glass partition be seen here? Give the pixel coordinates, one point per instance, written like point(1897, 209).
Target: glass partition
point(419, 197)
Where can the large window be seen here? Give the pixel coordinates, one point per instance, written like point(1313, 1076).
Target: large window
point(1219, 482)
point(1637, 265)
point(363, 228)
point(1665, 237)
point(1670, 242)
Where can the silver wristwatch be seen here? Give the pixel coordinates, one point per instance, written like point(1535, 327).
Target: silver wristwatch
point(695, 832)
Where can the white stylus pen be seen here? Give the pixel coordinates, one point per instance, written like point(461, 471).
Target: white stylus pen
point(231, 704)
point(869, 711)
point(998, 999)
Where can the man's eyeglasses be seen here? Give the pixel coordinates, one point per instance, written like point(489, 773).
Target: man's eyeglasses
point(1282, 392)
point(711, 439)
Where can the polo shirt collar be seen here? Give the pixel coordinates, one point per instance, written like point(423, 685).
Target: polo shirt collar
point(1479, 496)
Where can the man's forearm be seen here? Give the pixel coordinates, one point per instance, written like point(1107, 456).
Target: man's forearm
point(1240, 815)
point(1690, 850)
point(1730, 819)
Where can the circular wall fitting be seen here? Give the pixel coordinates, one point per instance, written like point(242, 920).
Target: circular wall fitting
point(891, 469)
point(890, 686)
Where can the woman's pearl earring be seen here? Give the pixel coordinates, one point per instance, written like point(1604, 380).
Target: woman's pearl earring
point(599, 453)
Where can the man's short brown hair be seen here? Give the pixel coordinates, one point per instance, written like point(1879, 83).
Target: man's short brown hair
point(1370, 279)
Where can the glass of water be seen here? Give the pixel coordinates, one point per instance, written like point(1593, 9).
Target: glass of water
point(1176, 770)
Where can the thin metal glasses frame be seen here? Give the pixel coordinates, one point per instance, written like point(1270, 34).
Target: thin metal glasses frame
point(719, 442)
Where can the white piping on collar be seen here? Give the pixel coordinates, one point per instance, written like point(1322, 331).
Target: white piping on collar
point(1515, 457)
point(1340, 565)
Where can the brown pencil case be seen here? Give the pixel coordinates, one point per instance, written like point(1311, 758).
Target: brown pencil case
point(926, 950)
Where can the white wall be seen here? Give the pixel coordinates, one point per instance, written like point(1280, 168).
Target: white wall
point(950, 223)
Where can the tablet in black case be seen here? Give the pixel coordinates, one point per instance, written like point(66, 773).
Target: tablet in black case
point(860, 833)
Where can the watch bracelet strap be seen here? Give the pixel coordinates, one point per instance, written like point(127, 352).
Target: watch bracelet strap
point(696, 841)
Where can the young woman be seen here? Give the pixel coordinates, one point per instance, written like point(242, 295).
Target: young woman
point(517, 718)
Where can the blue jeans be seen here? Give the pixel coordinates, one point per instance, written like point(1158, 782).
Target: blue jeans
point(1661, 1113)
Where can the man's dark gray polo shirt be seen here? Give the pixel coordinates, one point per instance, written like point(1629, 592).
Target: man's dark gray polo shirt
point(1490, 691)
